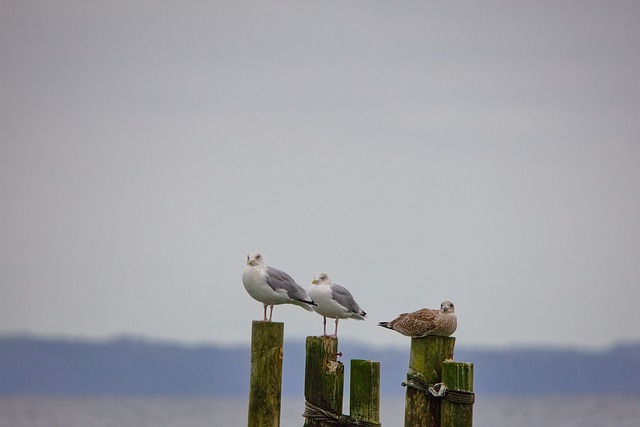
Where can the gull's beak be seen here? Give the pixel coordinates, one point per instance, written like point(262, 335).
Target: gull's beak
point(314, 281)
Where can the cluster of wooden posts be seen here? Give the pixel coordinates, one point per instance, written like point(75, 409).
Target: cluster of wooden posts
point(439, 390)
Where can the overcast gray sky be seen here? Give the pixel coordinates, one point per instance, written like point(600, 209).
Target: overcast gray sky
point(482, 152)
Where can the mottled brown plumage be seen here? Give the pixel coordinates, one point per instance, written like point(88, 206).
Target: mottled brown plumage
point(425, 322)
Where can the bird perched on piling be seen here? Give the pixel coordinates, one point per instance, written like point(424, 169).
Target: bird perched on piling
point(333, 301)
point(271, 286)
point(425, 322)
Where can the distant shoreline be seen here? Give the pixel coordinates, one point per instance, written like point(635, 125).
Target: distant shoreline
point(139, 366)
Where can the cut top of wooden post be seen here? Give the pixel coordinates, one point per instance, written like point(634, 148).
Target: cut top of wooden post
point(458, 375)
point(425, 363)
point(265, 380)
point(266, 335)
point(324, 374)
point(427, 355)
point(457, 408)
point(364, 396)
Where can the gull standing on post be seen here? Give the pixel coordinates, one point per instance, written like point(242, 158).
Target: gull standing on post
point(333, 301)
point(425, 322)
point(271, 286)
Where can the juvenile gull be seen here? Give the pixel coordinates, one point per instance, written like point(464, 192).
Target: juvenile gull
point(333, 301)
point(425, 322)
point(271, 286)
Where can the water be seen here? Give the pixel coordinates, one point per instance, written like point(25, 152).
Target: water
point(556, 411)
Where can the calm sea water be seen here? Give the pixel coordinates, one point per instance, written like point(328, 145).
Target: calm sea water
point(556, 411)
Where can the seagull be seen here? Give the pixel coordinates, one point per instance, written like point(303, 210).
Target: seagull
point(333, 301)
point(271, 286)
point(425, 322)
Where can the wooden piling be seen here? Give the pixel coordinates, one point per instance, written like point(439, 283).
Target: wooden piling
point(324, 377)
point(364, 398)
point(458, 377)
point(265, 383)
point(425, 363)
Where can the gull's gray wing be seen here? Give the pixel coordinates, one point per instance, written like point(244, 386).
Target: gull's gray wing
point(343, 297)
point(279, 280)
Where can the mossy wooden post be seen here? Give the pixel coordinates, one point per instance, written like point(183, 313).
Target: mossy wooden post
point(457, 376)
point(364, 398)
point(425, 363)
point(265, 383)
point(324, 377)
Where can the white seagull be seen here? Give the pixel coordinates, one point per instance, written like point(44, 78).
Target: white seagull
point(271, 286)
point(333, 301)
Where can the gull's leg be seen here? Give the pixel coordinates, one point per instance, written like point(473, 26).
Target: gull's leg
point(335, 335)
point(324, 324)
point(270, 312)
point(265, 313)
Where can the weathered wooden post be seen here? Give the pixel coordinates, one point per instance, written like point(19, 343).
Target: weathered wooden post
point(265, 383)
point(324, 380)
point(425, 369)
point(457, 407)
point(364, 398)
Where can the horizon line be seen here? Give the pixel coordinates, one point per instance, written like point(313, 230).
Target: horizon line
point(141, 338)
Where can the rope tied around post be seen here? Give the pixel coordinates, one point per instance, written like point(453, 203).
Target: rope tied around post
point(324, 415)
point(440, 390)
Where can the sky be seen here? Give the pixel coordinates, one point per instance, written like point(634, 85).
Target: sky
point(484, 153)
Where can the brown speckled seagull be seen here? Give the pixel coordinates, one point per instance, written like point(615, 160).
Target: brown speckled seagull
point(425, 322)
